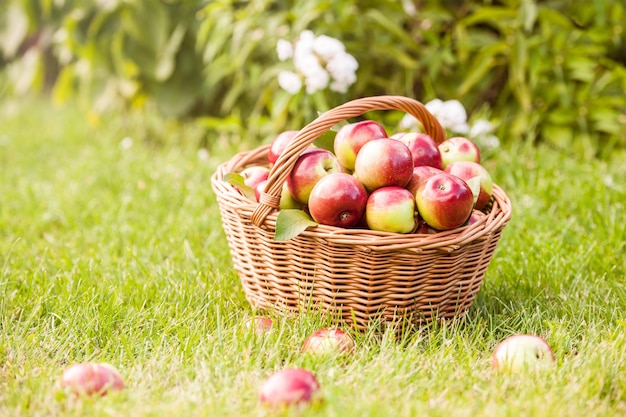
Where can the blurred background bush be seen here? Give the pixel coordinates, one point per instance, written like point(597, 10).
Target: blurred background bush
point(551, 71)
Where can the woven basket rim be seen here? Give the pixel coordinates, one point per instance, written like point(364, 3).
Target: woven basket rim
point(446, 241)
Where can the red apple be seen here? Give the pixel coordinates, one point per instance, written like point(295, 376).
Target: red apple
point(421, 174)
point(444, 201)
point(458, 148)
point(279, 144)
point(467, 170)
point(254, 174)
point(92, 379)
point(350, 139)
point(312, 165)
point(338, 199)
point(424, 229)
point(383, 162)
point(261, 325)
point(391, 209)
point(258, 190)
point(289, 387)
point(524, 351)
point(423, 148)
point(475, 216)
point(328, 341)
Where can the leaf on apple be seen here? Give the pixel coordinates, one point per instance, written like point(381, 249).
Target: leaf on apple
point(474, 185)
point(238, 181)
point(290, 223)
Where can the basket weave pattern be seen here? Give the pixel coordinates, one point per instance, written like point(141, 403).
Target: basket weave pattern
point(357, 275)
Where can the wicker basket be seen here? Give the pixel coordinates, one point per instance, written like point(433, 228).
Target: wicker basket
point(358, 276)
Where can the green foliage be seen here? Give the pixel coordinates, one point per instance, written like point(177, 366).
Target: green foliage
point(545, 71)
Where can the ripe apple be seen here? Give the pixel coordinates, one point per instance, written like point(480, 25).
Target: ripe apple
point(421, 174)
point(289, 387)
point(424, 229)
point(92, 379)
point(423, 148)
point(475, 216)
point(254, 174)
point(391, 209)
point(350, 139)
point(261, 325)
point(279, 144)
point(444, 201)
point(458, 148)
point(312, 165)
point(467, 170)
point(383, 162)
point(338, 199)
point(328, 341)
point(523, 351)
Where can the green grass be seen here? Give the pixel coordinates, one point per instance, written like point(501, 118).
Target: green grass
point(116, 254)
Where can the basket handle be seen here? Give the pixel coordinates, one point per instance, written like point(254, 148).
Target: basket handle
point(270, 198)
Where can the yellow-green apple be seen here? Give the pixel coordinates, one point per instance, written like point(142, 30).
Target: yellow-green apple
point(391, 209)
point(328, 341)
point(338, 199)
point(522, 351)
point(467, 170)
point(91, 379)
point(351, 137)
point(286, 199)
point(289, 387)
point(260, 325)
point(458, 148)
point(421, 174)
point(383, 162)
point(444, 201)
point(423, 148)
point(279, 144)
point(310, 166)
point(254, 174)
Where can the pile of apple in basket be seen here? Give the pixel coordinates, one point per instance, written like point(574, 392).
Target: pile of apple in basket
point(401, 183)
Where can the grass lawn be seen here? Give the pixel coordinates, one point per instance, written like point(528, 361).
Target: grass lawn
point(111, 250)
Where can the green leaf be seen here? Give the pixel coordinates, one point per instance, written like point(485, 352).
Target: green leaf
point(290, 223)
point(238, 181)
point(326, 141)
point(474, 185)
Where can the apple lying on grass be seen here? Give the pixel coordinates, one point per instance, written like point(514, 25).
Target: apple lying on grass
point(391, 209)
point(311, 166)
point(289, 387)
point(338, 199)
point(92, 379)
point(383, 162)
point(444, 201)
point(458, 148)
point(524, 351)
point(328, 341)
point(351, 137)
point(260, 324)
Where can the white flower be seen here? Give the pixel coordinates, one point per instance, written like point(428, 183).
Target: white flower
point(408, 121)
point(316, 81)
point(318, 61)
point(489, 142)
point(480, 127)
point(284, 49)
point(289, 81)
point(327, 47)
point(451, 114)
